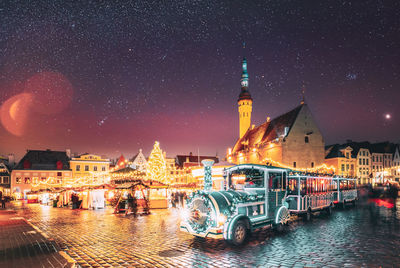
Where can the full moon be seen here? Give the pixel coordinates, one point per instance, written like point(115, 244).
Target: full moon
point(388, 116)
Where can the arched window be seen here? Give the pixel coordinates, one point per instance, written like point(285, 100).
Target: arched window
point(306, 140)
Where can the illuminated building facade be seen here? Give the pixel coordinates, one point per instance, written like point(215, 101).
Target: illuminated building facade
point(382, 161)
point(139, 161)
point(396, 164)
point(291, 140)
point(88, 165)
point(5, 179)
point(343, 159)
point(40, 169)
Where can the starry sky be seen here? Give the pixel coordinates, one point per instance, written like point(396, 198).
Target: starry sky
point(110, 77)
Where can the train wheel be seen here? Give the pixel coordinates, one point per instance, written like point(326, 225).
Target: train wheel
point(239, 233)
point(282, 219)
point(329, 210)
point(308, 215)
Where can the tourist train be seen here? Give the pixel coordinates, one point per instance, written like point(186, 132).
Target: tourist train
point(258, 196)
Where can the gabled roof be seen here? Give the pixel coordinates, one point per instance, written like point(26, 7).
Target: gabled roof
point(334, 151)
point(268, 131)
point(44, 160)
point(181, 159)
point(133, 157)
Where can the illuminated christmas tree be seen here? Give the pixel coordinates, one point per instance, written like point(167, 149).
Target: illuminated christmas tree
point(156, 166)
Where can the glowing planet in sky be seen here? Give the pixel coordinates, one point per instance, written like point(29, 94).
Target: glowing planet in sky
point(14, 113)
point(388, 116)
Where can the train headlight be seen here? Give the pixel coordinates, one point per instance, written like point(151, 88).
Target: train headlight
point(221, 219)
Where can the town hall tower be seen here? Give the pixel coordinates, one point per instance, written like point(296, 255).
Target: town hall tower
point(245, 102)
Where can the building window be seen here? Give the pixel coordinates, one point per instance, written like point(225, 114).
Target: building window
point(352, 167)
point(363, 161)
point(27, 180)
point(312, 164)
point(342, 167)
point(18, 180)
point(86, 168)
point(5, 180)
point(367, 161)
point(95, 168)
point(294, 164)
point(347, 155)
point(78, 168)
point(103, 168)
point(59, 174)
point(306, 139)
point(359, 161)
point(347, 167)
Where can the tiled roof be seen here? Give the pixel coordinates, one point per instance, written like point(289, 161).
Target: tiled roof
point(44, 160)
point(268, 131)
point(181, 159)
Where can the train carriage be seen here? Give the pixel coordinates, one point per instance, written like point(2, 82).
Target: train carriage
point(345, 191)
point(307, 194)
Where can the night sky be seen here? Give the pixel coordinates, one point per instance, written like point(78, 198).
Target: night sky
point(110, 77)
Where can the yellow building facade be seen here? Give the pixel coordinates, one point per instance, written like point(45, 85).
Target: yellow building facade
point(342, 159)
point(89, 165)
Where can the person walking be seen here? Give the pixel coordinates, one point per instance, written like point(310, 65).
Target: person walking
point(3, 202)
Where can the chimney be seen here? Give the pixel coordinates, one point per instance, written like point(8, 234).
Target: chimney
point(68, 152)
point(11, 160)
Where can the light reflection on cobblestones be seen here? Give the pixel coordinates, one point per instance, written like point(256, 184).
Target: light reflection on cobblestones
point(361, 236)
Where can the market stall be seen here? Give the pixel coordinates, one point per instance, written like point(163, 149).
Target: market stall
point(32, 197)
point(132, 198)
point(158, 195)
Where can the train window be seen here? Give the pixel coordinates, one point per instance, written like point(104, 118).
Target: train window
point(293, 186)
point(275, 180)
point(246, 178)
point(256, 182)
point(303, 186)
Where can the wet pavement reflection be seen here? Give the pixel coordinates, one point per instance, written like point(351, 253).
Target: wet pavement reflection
point(365, 235)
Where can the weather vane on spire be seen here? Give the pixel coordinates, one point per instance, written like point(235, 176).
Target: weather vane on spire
point(303, 93)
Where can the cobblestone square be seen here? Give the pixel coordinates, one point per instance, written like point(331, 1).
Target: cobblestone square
point(366, 235)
